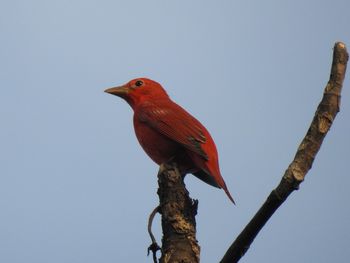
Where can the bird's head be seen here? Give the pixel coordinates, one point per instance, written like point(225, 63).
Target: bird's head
point(139, 90)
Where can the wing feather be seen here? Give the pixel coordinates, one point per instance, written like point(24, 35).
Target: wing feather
point(173, 121)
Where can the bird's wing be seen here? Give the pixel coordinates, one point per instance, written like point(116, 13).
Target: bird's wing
point(173, 121)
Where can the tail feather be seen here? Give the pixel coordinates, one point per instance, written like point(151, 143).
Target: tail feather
point(209, 179)
point(228, 193)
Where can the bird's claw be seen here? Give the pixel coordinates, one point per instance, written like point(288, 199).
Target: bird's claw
point(168, 165)
point(162, 168)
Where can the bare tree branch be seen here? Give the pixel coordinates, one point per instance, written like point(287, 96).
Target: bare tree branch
point(178, 212)
point(295, 174)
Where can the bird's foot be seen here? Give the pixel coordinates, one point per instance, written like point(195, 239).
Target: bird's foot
point(171, 164)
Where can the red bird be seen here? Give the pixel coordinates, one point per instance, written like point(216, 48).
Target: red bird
point(168, 132)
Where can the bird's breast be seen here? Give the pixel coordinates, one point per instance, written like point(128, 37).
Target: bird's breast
point(157, 146)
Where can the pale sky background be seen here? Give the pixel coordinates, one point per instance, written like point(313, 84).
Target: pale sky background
point(75, 186)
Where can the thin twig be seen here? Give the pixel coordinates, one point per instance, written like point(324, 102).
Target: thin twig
point(154, 247)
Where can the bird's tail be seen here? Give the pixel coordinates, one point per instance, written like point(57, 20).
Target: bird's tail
point(228, 193)
point(210, 179)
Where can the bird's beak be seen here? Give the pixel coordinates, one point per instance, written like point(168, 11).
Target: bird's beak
point(118, 91)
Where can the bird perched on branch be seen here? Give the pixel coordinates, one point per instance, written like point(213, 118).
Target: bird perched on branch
point(167, 132)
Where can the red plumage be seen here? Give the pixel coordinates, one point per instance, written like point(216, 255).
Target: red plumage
point(168, 132)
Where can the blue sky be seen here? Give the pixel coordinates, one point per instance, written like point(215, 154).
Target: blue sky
point(75, 184)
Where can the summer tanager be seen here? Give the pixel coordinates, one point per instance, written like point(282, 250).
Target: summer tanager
point(167, 132)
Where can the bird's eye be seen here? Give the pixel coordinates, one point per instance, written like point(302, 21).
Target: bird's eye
point(138, 83)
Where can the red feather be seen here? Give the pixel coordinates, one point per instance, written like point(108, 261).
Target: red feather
point(166, 132)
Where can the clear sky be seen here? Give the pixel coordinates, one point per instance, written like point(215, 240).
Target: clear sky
point(75, 186)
